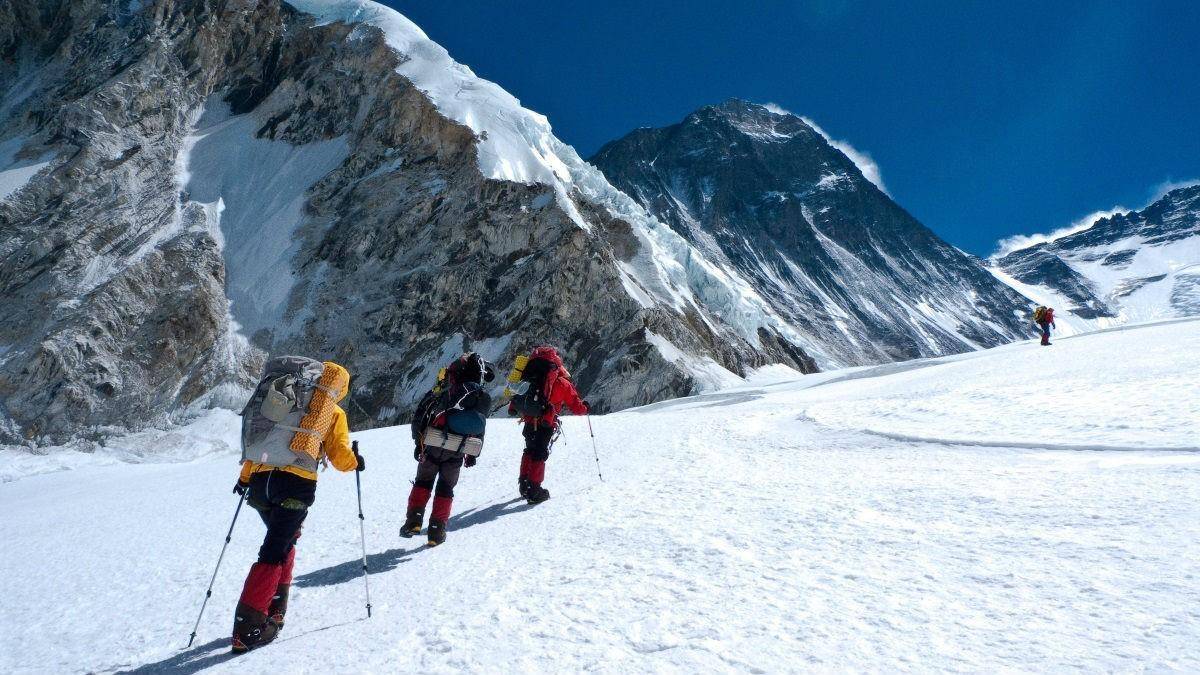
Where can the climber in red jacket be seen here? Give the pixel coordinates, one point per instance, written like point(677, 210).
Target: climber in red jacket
point(550, 390)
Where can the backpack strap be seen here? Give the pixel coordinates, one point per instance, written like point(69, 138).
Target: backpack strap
point(551, 379)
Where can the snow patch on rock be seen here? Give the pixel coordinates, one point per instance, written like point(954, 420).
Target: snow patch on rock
point(16, 173)
point(253, 192)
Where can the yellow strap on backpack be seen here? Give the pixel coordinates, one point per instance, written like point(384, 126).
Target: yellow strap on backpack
point(331, 388)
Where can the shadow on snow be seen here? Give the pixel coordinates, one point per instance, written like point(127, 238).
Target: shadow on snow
point(198, 658)
point(187, 662)
point(391, 559)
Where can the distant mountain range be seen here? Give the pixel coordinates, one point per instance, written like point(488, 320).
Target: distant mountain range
point(1136, 266)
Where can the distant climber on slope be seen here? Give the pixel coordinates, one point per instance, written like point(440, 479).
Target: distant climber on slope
point(549, 390)
point(291, 424)
point(1044, 317)
point(447, 430)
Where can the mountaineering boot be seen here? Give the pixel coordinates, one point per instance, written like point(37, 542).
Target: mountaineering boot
point(537, 494)
point(437, 532)
point(279, 601)
point(412, 526)
point(251, 629)
point(279, 604)
point(417, 499)
point(523, 485)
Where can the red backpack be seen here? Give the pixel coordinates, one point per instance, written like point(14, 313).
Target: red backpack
point(541, 372)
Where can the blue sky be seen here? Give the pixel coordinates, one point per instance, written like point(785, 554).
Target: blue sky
point(987, 119)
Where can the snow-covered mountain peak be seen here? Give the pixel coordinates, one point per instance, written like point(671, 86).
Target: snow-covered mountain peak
point(757, 121)
point(515, 143)
point(768, 195)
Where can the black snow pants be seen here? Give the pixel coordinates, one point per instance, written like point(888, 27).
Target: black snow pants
point(282, 500)
point(538, 437)
point(441, 466)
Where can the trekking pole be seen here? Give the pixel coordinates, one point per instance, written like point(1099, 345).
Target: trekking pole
point(208, 593)
point(595, 452)
point(362, 531)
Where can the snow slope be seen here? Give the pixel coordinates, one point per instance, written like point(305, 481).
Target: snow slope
point(766, 528)
point(253, 190)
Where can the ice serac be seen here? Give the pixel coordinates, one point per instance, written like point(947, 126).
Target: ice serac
point(192, 185)
point(1128, 267)
point(764, 194)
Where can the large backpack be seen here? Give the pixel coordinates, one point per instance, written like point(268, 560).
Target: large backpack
point(271, 418)
point(454, 418)
point(540, 373)
point(1039, 314)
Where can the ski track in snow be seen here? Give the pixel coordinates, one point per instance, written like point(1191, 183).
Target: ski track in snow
point(733, 534)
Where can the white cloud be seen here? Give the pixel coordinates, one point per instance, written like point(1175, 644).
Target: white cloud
point(865, 163)
point(1020, 241)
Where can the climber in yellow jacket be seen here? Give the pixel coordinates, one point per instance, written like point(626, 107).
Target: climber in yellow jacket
point(283, 485)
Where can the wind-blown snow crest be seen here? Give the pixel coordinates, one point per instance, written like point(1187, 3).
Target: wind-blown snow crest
point(1020, 241)
point(517, 144)
point(865, 163)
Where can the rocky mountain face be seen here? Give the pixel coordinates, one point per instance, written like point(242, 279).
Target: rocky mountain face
point(764, 193)
point(187, 186)
point(1136, 266)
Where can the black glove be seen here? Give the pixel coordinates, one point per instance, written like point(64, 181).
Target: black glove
point(417, 452)
point(469, 461)
point(240, 488)
point(362, 463)
point(587, 406)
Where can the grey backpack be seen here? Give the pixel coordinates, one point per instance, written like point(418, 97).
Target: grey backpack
point(272, 416)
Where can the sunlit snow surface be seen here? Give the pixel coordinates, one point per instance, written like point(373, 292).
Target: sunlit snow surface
point(754, 529)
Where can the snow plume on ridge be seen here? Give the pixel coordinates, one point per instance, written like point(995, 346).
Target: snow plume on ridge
point(516, 144)
point(1022, 241)
point(1166, 186)
point(863, 160)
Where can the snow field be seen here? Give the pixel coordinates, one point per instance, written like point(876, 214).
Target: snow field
point(733, 533)
point(1112, 393)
